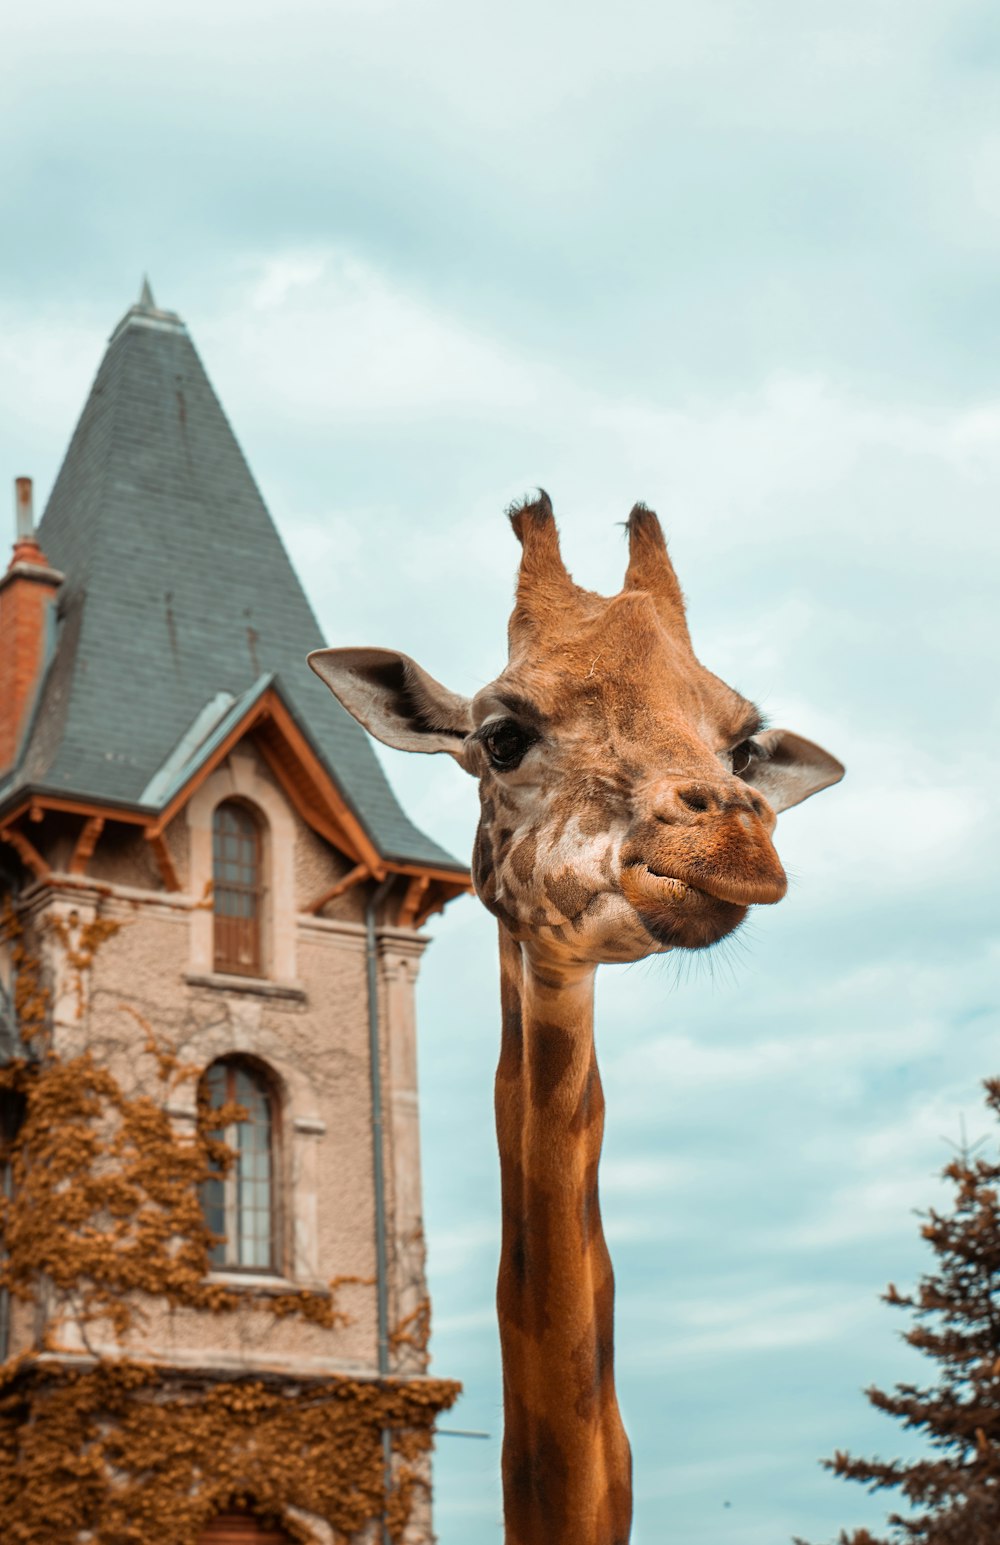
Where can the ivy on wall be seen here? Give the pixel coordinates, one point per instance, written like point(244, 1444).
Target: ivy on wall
point(134, 1454)
point(103, 1216)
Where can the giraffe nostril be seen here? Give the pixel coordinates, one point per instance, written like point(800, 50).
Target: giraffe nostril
point(694, 799)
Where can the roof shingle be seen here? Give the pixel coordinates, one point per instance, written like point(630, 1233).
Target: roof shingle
point(178, 588)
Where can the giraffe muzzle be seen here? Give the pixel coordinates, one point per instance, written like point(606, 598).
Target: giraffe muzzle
point(642, 883)
point(730, 858)
point(677, 915)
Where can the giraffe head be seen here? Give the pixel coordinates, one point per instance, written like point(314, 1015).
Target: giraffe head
point(628, 795)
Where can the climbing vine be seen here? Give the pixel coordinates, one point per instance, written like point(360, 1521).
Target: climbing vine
point(105, 1192)
point(32, 998)
point(103, 1219)
point(409, 1338)
point(132, 1456)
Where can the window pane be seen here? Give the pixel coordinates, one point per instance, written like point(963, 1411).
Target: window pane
point(213, 1205)
point(237, 891)
point(256, 1252)
point(215, 1085)
point(214, 1209)
point(240, 1205)
point(246, 1088)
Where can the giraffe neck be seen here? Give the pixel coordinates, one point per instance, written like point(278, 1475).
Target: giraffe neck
point(566, 1460)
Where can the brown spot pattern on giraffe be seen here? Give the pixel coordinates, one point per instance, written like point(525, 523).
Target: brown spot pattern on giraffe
point(568, 893)
point(522, 858)
point(536, 1476)
point(482, 863)
point(590, 1107)
point(550, 1054)
point(593, 1357)
point(511, 1043)
point(590, 1207)
point(530, 1214)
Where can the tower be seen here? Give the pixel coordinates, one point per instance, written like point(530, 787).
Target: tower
point(213, 1307)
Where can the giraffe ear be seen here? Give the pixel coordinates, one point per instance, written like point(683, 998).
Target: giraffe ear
point(792, 769)
point(394, 699)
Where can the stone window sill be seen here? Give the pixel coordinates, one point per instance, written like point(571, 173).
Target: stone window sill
point(266, 1282)
point(257, 986)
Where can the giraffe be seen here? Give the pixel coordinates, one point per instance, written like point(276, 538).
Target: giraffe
point(628, 800)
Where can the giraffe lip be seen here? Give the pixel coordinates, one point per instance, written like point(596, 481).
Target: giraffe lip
point(660, 887)
point(677, 915)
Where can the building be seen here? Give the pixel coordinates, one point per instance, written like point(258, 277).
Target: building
point(212, 903)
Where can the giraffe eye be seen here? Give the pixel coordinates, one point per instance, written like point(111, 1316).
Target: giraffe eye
point(743, 755)
point(506, 744)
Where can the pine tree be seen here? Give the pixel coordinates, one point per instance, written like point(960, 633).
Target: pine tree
point(954, 1493)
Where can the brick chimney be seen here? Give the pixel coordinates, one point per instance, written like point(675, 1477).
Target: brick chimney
point(26, 594)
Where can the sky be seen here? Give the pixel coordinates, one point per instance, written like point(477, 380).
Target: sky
point(740, 262)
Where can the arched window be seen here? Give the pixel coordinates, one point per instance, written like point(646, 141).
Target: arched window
point(237, 889)
point(241, 1204)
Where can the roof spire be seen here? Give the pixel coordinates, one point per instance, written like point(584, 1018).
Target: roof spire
point(146, 313)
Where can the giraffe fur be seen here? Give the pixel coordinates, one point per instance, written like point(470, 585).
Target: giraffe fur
point(628, 804)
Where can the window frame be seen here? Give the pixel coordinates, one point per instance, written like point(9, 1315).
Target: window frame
point(226, 1255)
point(228, 963)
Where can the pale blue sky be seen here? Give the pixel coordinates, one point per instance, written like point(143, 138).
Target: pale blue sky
point(740, 262)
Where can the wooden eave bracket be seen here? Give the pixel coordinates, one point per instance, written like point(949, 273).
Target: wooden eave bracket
point(168, 873)
point(413, 896)
point(426, 892)
point(429, 891)
point(85, 844)
point(437, 896)
point(26, 851)
point(345, 883)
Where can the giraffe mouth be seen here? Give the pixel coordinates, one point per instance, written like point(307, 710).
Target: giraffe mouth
point(675, 914)
point(656, 887)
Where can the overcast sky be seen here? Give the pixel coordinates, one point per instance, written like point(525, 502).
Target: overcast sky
point(739, 261)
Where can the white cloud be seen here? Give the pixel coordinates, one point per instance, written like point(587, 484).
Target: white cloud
point(481, 1319)
point(665, 1069)
point(648, 1175)
point(754, 1322)
point(454, 1250)
point(47, 360)
point(334, 340)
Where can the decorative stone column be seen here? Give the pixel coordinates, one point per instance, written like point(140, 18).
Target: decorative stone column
point(399, 959)
point(306, 1135)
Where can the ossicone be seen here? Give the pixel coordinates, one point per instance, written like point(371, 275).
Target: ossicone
point(542, 580)
point(528, 515)
point(650, 568)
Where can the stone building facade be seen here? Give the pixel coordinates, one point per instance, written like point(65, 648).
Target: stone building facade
point(211, 899)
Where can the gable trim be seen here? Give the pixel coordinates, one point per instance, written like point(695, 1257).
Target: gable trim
point(298, 769)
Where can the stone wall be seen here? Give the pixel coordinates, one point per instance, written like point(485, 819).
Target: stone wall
point(305, 1022)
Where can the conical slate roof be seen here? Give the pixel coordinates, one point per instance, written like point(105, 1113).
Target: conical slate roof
point(177, 589)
